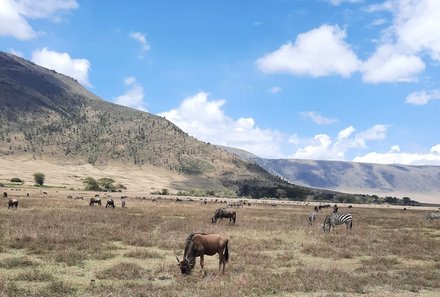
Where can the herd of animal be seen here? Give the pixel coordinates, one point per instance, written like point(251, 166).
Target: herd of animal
point(201, 244)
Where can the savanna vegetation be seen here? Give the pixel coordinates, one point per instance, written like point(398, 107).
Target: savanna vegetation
point(54, 246)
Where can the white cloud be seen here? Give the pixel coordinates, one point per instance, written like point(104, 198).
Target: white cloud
point(134, 97)
point(388, 65)
point(318, 119)
point(206, 120)
point(14, 15)
point(322, 147)
point(413, 34)
point(338, 2)
point(394, 149)
point(397, 157)
point(422, 97)
point(319, 52)
point(63, 63)
point(417, 24)
point(141, 39)
point(345, 133)
point(274, 90)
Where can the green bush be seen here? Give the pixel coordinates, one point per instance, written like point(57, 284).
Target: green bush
point(39, 178)
point(91, 184)
point(16, 180)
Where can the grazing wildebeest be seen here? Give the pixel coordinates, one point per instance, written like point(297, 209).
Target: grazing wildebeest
point(110, 203)
point(337, 219)
point(200, 244)
point(5, 195)
point(335, 208)
point(221, 213)
point(12, 203)
point(178, 200)
point(94, 201)
point(45, 193)
point(432, 216)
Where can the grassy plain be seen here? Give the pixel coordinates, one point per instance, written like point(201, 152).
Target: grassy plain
point(53, 246)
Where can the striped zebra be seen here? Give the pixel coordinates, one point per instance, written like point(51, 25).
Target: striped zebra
point(432, 216)
point(312, 218)
point(337, 219)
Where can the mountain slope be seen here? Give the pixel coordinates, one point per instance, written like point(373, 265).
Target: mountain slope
point(421, 182)
point(48, 116)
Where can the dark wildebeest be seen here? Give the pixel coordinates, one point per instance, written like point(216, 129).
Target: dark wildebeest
point(12, 203)
point(5, 195)
point(221, 213)
point(94, 201)
point(335, 208)
point(200, 244)
point(110, 203)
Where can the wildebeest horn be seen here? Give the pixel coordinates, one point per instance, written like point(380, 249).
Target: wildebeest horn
point(177, 259)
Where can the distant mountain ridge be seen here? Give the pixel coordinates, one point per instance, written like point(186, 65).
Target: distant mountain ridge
point(47, 115)
point(422, 182)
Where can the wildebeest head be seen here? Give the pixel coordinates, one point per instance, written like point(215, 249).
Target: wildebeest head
point(185, 267)
point(213, 220)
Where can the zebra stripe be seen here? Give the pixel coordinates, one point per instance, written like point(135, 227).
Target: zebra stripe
point(337, 219)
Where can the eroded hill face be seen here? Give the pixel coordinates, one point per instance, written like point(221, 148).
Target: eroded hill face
point(46, 115)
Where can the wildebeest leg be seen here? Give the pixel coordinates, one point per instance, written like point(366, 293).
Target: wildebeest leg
point(202, 264)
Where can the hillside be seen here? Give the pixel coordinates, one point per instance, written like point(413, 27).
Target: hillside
point(419, 182)
point(50, 117)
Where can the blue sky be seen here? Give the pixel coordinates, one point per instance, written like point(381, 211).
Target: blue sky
point(324, 79)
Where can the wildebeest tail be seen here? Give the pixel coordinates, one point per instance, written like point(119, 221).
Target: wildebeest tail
point(226, 252)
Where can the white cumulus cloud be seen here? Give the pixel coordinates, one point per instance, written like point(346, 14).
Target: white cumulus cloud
point(389, 65)
point(412, 35)
point(205, 119)
point(395, 156)
point(14, 15)
point(63, 63)
point(323, 147)
point(319, 52)
point(134, 97)
point(422, 97)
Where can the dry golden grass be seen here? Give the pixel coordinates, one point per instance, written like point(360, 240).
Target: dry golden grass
point(52, 246)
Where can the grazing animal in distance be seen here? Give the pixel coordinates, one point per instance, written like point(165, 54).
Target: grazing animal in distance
point(221, 213)
point(124, 201)
point(110, 203)
point(178, 200)
point(201, 244)
point(335, 208)
point(312, 218)
point(12, 203)
point(337, 219)
point(5, 195)
point(94, 201)
point(432, 216)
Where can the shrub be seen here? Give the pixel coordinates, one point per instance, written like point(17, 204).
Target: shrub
point(39, 178)
point(91, 184)
point(107, 184)
point(16, 180)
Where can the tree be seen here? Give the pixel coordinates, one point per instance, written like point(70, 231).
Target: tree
point(107, 184)
point(39, 178)
point(91, 184)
